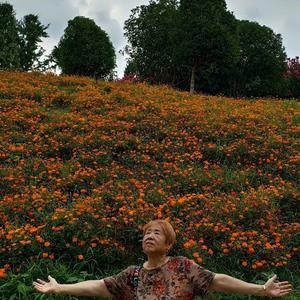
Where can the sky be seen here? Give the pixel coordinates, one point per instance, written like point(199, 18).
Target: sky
point(280, 15)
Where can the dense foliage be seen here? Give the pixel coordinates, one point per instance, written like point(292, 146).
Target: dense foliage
point(85, 49)
point(187, 44)
point(19, 40)
point(293, 77)
point(9, 39)
point(84, 165)
point(200, 45)
point(31, 31)
point(208, 41)
point(262, 62)
point(152, 33)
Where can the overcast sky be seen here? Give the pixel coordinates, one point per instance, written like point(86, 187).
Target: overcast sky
point(281, 15)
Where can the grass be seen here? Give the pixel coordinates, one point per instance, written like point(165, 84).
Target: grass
point(19, 286)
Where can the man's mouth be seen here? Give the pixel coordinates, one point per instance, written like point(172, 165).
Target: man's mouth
point(149, 243)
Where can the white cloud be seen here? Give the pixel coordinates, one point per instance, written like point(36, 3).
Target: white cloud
point(281, 16)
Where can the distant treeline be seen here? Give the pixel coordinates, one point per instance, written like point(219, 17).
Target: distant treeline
point(188, 44)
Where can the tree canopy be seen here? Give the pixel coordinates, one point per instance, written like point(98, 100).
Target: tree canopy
point(85, 49)
point(19, 40)
point(200, 45)
point(31, 31)
point(151, 31)
point(208, 35)
point(188, 44)
point(262, 61)
point(169, 40)
point(9, 38)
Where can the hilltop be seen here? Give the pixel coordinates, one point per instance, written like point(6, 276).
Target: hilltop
point(85, 164)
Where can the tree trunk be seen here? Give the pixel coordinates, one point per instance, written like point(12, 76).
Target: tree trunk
point(192, 85)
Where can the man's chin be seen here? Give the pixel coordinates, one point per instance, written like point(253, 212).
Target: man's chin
point(147, 250)
point(151, 251)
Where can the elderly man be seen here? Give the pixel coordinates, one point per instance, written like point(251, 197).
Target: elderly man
point(163, 276)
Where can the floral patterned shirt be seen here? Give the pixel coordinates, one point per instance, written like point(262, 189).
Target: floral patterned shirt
point(179, 279)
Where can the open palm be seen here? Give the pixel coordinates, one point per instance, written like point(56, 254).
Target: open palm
point(46, 287)
point(277, 289)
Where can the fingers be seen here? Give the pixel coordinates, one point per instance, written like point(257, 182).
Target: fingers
point(285, 285)
point(41, 281)
point(50, 278)
point(39, 287)
point(274, 278)
point(285, 292)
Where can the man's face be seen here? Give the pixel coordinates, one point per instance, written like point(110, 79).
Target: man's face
point(154, 240)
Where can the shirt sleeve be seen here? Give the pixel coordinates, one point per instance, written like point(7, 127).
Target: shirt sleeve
point(199, 277)
point(121, 284)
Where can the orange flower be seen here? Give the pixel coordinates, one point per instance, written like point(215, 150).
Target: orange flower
point(3, 273)
point(244, 244)
point(181, 200)
point(47, 244)
point(189, 244)
point(9, 236)
point(200, 260)
point(244, 264)
point(251, 250)
point(39, 239)
point(211, 252)
point(80, 257)
point(268, 246)
point(45, 254)
point(25, 242)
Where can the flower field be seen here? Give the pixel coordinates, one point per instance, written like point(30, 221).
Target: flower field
point(84, 164)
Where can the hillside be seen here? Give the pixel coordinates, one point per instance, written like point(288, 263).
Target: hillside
point(85, 164)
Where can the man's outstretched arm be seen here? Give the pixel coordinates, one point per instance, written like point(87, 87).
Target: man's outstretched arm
point(92, 288)
point(227, 284)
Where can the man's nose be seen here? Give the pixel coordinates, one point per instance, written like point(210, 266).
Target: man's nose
point(150, 235)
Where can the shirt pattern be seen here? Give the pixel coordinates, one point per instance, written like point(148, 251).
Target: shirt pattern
point(179, 279)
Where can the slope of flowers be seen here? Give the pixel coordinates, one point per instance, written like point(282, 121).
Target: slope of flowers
point(85, 164)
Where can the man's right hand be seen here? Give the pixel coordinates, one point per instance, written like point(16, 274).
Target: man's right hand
point(44, 287)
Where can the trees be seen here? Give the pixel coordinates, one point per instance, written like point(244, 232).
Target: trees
point(31, 31)
point(262, 61)
point(169, 40)
point(293, 76)
point(208, 35)
point(151, 32)
point(194, 44)
point(19, 40)
point(85, 49)
point(9, 39)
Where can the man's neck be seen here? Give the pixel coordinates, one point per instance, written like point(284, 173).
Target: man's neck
point(156, 261)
